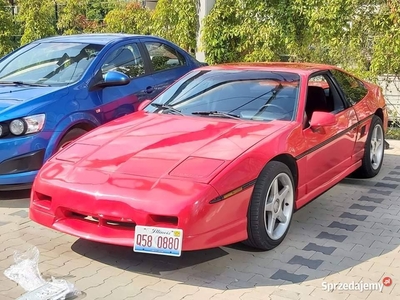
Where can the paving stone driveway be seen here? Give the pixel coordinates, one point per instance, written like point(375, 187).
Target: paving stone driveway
point(350, 233)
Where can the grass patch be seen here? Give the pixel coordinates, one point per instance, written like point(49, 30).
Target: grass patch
point(393, 133)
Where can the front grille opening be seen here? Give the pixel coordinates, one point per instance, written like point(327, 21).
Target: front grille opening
point(92, 219)
point(84, 217)
point(103, 221)
point(121, 224)
point(41, 197)
point(41, 200)
point(170, 220)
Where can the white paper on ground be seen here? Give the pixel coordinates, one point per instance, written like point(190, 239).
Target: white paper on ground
point(26, 273)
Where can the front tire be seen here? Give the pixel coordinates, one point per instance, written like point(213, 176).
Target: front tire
point(374, 150)
point(271, 207)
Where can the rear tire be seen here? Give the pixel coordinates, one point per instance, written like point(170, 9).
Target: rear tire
point(70, 136)
point(271, 207)
point(374, 150)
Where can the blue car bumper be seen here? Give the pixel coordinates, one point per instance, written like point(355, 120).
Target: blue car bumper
point(20, 160)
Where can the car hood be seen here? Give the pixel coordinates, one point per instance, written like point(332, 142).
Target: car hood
point(11, 96)
point(162, 145)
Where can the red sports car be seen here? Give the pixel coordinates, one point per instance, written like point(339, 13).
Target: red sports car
point(225, 154)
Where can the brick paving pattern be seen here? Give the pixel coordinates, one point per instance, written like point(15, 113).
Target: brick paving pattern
point(350, 233)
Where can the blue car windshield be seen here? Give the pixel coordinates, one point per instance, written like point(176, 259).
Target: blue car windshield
point(241, 94)
point(48, 63)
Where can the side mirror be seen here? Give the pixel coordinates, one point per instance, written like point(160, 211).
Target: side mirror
point(113, 78)
point(143, 104)
point(322, 119)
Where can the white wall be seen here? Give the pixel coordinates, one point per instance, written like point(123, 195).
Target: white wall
point(391, 91)
point(151, 4)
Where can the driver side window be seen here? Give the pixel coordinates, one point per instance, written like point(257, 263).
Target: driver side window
point(126, 59)
point(321, 96)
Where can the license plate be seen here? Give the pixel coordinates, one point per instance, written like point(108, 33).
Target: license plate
point(158, 240)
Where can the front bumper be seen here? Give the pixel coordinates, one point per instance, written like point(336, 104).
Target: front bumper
point(19, 172)
point(107, 214)
point(20, 160)
point(28, 162)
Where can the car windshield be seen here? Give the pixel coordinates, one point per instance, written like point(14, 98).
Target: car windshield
point(48, 63)
point(239, 94)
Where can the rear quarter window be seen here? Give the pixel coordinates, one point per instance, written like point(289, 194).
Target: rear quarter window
point(353, 89)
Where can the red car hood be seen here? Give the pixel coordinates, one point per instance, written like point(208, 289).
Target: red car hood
point(160, 146)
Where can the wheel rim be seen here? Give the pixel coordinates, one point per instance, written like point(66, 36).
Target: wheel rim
point(376, 152)
point(278, 206)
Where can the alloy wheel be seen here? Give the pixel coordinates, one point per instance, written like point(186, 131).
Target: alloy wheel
point(279, 206)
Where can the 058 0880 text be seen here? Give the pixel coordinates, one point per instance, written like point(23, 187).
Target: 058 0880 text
point(162, 242)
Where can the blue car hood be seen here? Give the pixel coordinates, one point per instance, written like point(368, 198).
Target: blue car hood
point(15, 95)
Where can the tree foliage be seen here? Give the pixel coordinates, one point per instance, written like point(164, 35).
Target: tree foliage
point(83, 16)
point(71, 15)
point(222, 35)
point(37, 18)
point(6, 28)
point(177, 21)
point(130, 18)
point(386, 46)
point(252, 30)
point(96, 10)
point(337, 33)
point(361, 35)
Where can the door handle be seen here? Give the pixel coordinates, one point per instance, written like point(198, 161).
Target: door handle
point(149, 89)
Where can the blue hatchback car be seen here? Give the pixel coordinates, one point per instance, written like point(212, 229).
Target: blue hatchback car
point(56, 89)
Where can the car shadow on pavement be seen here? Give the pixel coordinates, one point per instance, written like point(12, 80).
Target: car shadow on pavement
point(15, 199)
point(125, 258)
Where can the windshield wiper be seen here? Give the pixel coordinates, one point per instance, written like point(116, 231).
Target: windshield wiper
point(217, 114)
point(167, 107)
point(22, 83)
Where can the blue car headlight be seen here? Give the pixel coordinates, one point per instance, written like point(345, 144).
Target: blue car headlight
point(18, 127)
point(22, 126)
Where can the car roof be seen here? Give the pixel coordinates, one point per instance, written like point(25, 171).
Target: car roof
point(98, 38)
point(292, 67)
